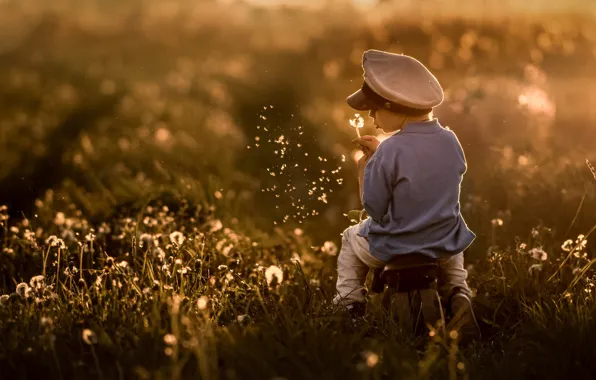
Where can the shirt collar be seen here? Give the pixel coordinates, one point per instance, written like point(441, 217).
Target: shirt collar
point(430, 126)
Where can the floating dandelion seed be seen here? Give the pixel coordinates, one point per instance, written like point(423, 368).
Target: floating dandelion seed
point(89, 337)
point(274, 275)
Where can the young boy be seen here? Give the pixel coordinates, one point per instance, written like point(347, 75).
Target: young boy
point(409, 184)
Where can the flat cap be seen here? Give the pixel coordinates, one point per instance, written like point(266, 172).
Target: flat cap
point(396, 82)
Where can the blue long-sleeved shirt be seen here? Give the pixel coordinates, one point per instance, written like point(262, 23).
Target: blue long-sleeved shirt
point(411, 190)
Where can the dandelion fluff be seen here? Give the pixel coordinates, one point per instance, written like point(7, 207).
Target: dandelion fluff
point(274, 273)
point(89, 337)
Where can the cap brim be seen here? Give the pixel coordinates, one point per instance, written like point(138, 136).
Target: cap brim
point(360, 102)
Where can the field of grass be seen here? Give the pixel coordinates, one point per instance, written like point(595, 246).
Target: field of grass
point(175, 178)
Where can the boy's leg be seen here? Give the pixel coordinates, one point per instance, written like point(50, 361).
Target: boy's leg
point(452, 276)
point(454, 288)
point(353, 264)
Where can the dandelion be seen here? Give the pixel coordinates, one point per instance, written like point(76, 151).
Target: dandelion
point(90, 237)
point(370, 358)
point(177, 238)
point(89, 337)
point(567, 245)
point(170, 339)
point(535, 268)
point(54, 241)
point(202, 302)
point(538, 254)
point(59, 219)
point(37, 282)
point(274, 275)
point(14, 230)
point(357, 122)
point(581, 241)
point(330, 248)
point(22, 289)
point(4, 299)
point(216, 225)
point(145, 240)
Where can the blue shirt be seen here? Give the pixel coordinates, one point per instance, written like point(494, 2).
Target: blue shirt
point(411, 193)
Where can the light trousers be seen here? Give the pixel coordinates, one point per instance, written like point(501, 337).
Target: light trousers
point(355, 260)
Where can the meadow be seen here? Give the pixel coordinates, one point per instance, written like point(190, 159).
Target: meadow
point(176, 176)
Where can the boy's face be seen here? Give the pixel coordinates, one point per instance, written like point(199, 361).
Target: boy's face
point(385, 120)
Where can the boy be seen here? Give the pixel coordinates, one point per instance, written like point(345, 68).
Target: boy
point(409, 184)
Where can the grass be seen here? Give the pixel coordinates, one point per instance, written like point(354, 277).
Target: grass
point(153, 228)
point(169, 291)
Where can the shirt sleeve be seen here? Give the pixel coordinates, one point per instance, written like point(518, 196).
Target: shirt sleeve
point(377, 186)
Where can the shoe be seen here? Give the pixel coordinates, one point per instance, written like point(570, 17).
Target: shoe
point(357, 310)
point(463, 319)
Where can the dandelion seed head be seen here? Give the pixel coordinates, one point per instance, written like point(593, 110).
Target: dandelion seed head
point(538, 254)
point(330, 248)
point(89, 337)
point(202, 302)
point(274, 275)
point(170, 339)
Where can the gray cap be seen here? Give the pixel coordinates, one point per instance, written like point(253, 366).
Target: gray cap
point(396, 82)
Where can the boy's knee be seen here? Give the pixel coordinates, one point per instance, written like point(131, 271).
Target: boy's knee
point(346, 235)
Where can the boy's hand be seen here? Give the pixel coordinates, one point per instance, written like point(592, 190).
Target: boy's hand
point(361, 165)
point(369, 144)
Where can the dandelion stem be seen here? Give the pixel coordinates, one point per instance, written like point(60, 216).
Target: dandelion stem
point(99, 375)
point(58, 269)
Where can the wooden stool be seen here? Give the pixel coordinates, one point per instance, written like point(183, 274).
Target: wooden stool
point(411, 292)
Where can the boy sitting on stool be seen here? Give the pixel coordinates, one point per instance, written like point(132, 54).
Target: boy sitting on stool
point(409, 184)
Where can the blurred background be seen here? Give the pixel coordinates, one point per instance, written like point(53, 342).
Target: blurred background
point(241, 103)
